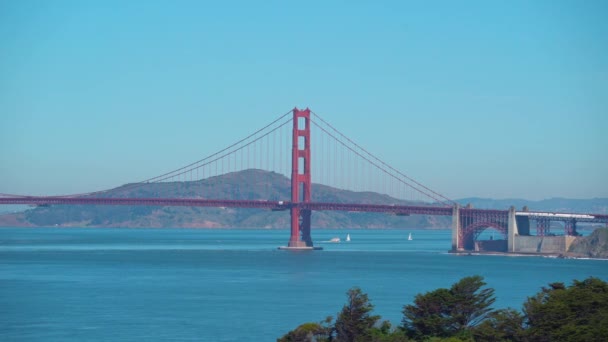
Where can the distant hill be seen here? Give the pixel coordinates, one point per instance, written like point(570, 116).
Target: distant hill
point(248, 184)
point(256, 185)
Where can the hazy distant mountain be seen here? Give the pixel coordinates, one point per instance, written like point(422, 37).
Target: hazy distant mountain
point(257, 185)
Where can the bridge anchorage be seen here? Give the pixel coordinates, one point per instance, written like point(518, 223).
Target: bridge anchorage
point(513, 228)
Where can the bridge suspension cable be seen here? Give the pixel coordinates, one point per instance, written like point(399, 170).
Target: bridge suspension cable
point(249, 150)
point(337, 161)
point(362, 170)
point(259, 150)
point(194, 164)
point(216, 157)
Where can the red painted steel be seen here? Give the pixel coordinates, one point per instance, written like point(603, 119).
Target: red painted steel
point(184, 202)
point(570, 227)
point(300, 217)
point(543, 227)
point(379, 208)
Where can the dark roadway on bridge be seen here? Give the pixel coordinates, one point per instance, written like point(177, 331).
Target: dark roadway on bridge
point(255, 204)
point(270, 205)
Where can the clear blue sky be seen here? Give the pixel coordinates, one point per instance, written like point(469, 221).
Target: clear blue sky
point(472, 98)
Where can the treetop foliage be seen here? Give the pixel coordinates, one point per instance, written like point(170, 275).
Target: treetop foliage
point(575, 313)
point(354, 322)
point(446, 312)
point(464, 313)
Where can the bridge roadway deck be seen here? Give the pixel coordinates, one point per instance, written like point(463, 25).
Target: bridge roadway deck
point(285, 205)
point(199, 202)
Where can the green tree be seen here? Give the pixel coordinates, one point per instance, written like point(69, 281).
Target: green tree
point(449, 312)
point(500, 325)
point(429, 315)
point(310, 332)
point(385, 333)
point(471, 303)
point(354, 322)
point(575, 313)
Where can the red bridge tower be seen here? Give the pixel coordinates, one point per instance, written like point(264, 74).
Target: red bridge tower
point(301, 184)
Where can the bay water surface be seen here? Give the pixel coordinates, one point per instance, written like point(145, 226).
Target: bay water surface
point(89, 284)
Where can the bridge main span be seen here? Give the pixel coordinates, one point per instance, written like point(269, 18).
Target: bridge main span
point(354, 168)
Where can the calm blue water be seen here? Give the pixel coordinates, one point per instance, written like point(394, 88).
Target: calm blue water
point(231, 285)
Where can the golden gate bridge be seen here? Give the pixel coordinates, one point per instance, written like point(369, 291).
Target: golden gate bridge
point(284, 146)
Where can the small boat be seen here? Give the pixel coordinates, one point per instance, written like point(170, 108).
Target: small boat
point(347, 237)
point(409, 238)
point(334, 240)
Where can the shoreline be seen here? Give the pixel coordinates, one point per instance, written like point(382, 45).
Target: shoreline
point(566, 255)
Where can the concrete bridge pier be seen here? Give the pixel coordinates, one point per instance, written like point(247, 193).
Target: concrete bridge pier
point(511, 230)
point(456, 228)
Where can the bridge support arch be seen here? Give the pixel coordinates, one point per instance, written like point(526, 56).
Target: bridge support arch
point(468, 223)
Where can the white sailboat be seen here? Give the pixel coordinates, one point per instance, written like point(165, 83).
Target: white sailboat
point(347, 237)
point(409, 238)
